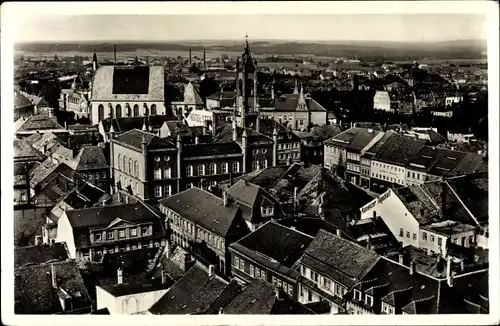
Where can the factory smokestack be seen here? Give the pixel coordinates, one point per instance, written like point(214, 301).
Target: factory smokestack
point(189, 56)
point(114, 51)
point(204, 59)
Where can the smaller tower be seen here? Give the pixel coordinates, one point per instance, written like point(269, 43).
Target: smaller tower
point(275, 146)
point(179, 162)
point(296, 89)
point(235, 129)
point(144, 146)
point(204, 59)
point(73, 84)
point(94, 62)
point(144, 127)
point(244, 146)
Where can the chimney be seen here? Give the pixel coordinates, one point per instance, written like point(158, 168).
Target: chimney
point(167, 249)
point(412, 268)
point(401, 260)
point(54, 276)
point(45, 148)
point(204, 59)
point(235, 130)
point(449, 275)
point(339, 233)
point(119, 195)
point(443, 199)
point(104, 202)
point(119, 276)
point(462, 266)
point(38, 240)
point(221, 311)
point(66, 125)
point(114, 50)
point(163, 276)
point(126, 199)
point(211, 270)
point(196, 140)
point(224, 198)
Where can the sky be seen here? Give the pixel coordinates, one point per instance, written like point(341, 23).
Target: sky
point(341, 27)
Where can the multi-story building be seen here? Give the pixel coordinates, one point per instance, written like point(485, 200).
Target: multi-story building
point(345, 150)
point(388, 165)
point(127, 91)
point(327, 276)
point(270, 253)
point(92, 232)
point(204, 224)
point(312, 142)
point(25, 157)
point(382, 101)
point(434, 214)
point(191, 101)
point(366, 160)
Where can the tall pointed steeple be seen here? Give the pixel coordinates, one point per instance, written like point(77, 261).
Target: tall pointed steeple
point(295, 89)
point(94, 61)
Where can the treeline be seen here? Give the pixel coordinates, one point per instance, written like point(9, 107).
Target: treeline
point(362, 51)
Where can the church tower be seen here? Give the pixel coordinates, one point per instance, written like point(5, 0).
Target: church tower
point(246, 89)
point(94, 62)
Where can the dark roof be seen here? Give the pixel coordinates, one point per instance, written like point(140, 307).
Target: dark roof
point(134, 138)
point(195, 292)
point(85, 195)
point(102, 216)
point(399, 149)
point(203, 208)
point(34, 293)
point(103, 311)
point(128, 123)
point(320, 133)
point(39, 122)
point(289, 102)
point(225, 135)
point(91, 158)
point(211, 149)
point(471, 162)
point(47, 169)
point(259, 298)
point(21, 101)
point(131, 80)
point(264, 177)
point(347, 268)
point(436, 161)
point(43, 253)
point(22, 150)
point(119, 290)
point(274, 243)
point(473, 192)
point(354, 138)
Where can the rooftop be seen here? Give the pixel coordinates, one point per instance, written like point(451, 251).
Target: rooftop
point(203, 208)
point(123, 289)
point(90, 158)
point(347, 268)
point(134, 138)
point(39, 122)
point(33, 255)
point(354, 138)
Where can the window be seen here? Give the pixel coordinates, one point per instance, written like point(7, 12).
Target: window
point(432, 238)
point(424, 236)
point(189, 185)
point(97, 237)
point(213, 169)
point(133, 232)
point(168, 173)
point(236, 167)
point(256, 151)
point(440, 241)
point(119, 161)
point(224, 168)
point(273, 280)
point(201, 169)
point(252, 271)
point(290, 290)
point(236, 262)
point(111, 235)
point(157, 174)
point(189, 170)
point(279, 283)
point(264, 164)
point(471, 240)
point(369, 300)
point(401, 232)
point(167, 190)
point(408, 234)
point(257, 273)
point(338, 290)
point(153, 109)
point(125, 164)
point(255, 165)
point(414, 236)
point(408, 174)
point(130, 166)
point(136, 169)
point(242, 264)
point(327, 284)
point(264, 151)
point(357, 295)
point(157, 191)
point(263, 275)
point(121, 234)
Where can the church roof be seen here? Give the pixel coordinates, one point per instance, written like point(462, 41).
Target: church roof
point(191, 95)
point(125, 83)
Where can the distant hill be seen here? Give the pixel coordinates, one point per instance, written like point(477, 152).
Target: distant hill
point(365, 50)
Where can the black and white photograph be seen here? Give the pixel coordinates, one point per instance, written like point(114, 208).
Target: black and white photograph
point(219, 159)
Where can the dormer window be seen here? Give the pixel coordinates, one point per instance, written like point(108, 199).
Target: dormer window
point(357, 295)
point(111, 235)
point(369, 300)
point(97, 237)
point(267, 211)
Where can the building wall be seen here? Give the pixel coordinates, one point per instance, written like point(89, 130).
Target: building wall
point(431, 242)
point(334, 156)
point(382, 101)
point(94, 108)
point(128, 304)
point(65, 234)
point(123, 174)
point(318, 118)
point(396, 216)
point(387, 172)
point(414, 177)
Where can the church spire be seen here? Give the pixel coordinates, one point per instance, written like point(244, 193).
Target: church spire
point(296, 89)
